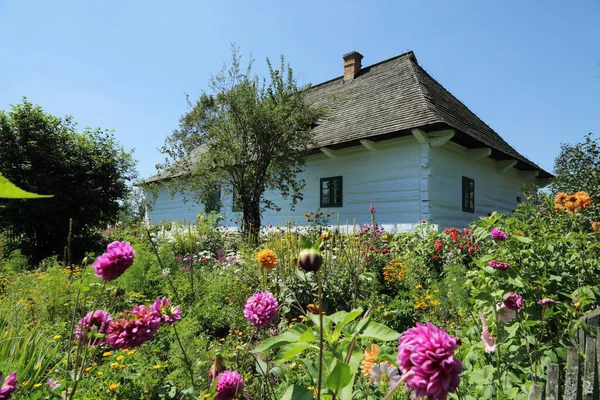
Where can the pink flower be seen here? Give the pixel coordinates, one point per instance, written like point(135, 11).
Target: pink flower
point(229, 385)
point(502, 266)
point(53, 384)
point(94, 322)
point(497, 234)
point(513, 301)
point(134, 328)
point(489, 342)
point(118, 257)
point(8, 386)
point(546, 301)
point(260, 309)
point(165, 310)
point(372, 209)
point(505, 314)
point(426, 358)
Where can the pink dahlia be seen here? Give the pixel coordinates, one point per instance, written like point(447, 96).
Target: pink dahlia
point(546, 301)
point(8, 386)
point(134, 328)
point(165, 310)
point(118, 257)
point(94, 322)
point(497, 234)
point(513, 301)
point(261, 308)
point(502, 266)
point(426, 358)
point(229, 385)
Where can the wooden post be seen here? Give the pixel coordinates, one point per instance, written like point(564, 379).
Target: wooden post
point(553, 382)
point(589, 368)
point(571, 391)
point(535, 393)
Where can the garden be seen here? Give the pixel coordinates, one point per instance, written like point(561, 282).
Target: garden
point(174, 311)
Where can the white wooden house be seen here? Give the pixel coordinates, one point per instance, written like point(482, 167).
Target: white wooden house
point(397, 139)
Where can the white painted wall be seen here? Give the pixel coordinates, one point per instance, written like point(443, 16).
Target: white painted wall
point(389, 177)
point(494, 191)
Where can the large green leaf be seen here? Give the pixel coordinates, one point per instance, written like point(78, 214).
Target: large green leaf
point(11, 191)
point(381, 332)
point(277, 341)
point(339, 377)
point(297, 392)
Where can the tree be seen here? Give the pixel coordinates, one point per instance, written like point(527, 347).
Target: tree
point(577, 167)
point(87, 174)
point(249, 134)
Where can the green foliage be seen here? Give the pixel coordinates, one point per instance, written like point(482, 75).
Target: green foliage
point(577, 167)
point(86, 172)
point(246, 133)
point(10, 191)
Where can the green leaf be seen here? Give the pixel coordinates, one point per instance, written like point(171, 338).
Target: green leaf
point(295, 349)
point(11, 191)
point(349, 317)
point(379, 331)
point(82, 287)
point(296, 392)
point(277, 341)
point(523, 239)
point(339, 377)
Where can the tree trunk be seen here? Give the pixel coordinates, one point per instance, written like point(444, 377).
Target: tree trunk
point(251, 223)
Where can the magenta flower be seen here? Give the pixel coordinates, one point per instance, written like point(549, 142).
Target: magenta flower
point(8, 386)
point(118, 257)
point(497, 234)
point(513, 301)
point(261, 308)
point(134, 328)
point(372, 209)
point(165, 310)
point(426, 358)
point(499, 265)
point(53, 384)
point(489, 342)
point(229, 385)
point(546, 301)
point(94, 322)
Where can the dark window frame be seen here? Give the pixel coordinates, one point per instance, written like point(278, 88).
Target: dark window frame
point(468, 195)
point(214, 203)
point(331, 203)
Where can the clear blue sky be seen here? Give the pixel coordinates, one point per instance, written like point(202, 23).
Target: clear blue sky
point(530, 69)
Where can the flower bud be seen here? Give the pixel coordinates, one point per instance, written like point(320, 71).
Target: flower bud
point(310, 260)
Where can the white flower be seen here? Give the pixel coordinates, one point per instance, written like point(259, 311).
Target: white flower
point(383, 375)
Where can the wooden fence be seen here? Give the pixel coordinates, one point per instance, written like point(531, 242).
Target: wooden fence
point(581, 377)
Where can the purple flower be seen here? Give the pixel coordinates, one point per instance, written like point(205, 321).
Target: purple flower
point(310, 260)
point(260, 309)
point(513, 301)
point(546, 301)
point(118, 257)
point(229, 385)
point(53, 384)
point(372, 209)
point(427, 352)
point(134, 328)
point(94, 322)
point(8, 386)
point(165, 310)
point(500, 265)
point(497, 234)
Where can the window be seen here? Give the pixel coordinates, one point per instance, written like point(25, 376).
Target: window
point(331, 192)
point(236, 205)
point(468, 194)
point(213, 203)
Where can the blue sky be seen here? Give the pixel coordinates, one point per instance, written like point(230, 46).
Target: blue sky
point(530, 69)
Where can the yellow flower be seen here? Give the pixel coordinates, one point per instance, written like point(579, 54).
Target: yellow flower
point(107, 354)
point(131, 352)
point(267, 258)
point(56, 337)
point(88, 369)
point(114, 365)
point(419, 286)
point(113, 386)
point(122, 366)
point(157, 366)
point(99, 373)
point(595, 226)
point(120, 358)
point(37, 385)
point(25, 383)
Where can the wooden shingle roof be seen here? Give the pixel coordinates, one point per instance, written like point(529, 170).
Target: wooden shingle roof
point(395, 96)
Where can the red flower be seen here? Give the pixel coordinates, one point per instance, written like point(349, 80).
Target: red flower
point(436, 257)
point(203, 259)
point(471, 250)
point(438, 246)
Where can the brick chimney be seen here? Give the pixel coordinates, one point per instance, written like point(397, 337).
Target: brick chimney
point(352, 65)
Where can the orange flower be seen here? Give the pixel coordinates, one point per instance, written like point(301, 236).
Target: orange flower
point(267, 258)
point(595, 226)
point(570, 206)
point(572, 198)
point(311, 308)
point(581, 194)
point(325, 235)
point(370, 355)
point(560, 198)
point(583, 203)
point(558, 207)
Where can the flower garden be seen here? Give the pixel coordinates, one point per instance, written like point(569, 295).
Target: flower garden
point(190, 311)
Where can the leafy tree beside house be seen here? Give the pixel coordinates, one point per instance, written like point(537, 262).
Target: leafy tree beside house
point(577, 167)
point(87, 174)
point(246, 133)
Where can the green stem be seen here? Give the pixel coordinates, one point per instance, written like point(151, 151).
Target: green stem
point(162, 266)
point(187, 360)
point(320, 295)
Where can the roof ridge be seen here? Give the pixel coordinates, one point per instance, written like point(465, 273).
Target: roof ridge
point(420, 86)
point(407, 53)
